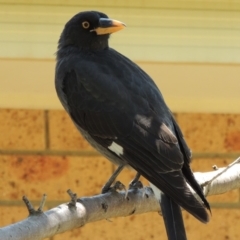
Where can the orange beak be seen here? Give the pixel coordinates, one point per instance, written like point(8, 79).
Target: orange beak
point(107, 26)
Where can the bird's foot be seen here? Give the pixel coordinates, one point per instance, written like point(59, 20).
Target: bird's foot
point(135, 185)
point(108, 186)
point(117, 186)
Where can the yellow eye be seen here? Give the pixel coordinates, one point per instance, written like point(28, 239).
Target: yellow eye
point(85, 24)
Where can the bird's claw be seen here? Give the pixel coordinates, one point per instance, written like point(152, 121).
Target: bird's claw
point(107, 187)
point(135, 185)
point(117, 186)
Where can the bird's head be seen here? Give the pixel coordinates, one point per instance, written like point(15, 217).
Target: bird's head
point(89, 30)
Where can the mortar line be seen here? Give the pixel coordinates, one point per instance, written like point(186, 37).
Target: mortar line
point(49, 152)
point(196, 155)
point(46, 121)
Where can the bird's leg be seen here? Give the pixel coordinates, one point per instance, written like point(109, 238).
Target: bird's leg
point(135, 183)
point(110, 181)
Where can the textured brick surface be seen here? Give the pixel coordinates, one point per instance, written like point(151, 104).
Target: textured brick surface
point(211, 132)
point(63, 135)
point(12, 214)
point(223, 225)
point(35, 175)
point(22, 129)
point(205, 165)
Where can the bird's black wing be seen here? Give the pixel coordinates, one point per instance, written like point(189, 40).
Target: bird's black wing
point(117, 103)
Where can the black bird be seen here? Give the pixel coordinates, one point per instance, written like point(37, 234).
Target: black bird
point(118, 108)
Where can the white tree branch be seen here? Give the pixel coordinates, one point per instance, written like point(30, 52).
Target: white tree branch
point(221, 180)
point(110, 205)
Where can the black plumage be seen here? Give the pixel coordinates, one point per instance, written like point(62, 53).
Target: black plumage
point(118, 108)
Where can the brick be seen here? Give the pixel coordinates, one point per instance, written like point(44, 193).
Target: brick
point(34, 175)
point(211, 132)
point(22, 129)
point(205, 165)
point(222, 226)
point(63, 135)
point(12, 214)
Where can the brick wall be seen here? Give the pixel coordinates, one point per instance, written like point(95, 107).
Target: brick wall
point(42, 152)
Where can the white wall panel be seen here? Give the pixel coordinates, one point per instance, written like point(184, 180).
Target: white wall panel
point(186, 87)
point(172, 31)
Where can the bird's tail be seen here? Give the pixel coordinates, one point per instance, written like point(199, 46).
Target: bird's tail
point(173, 220)
point(174, 185)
